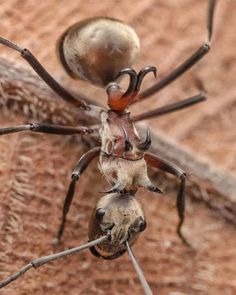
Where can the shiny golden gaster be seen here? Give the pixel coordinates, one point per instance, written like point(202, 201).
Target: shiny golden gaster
point(96, 49)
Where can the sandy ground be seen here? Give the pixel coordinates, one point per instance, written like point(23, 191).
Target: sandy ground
point(35, 169)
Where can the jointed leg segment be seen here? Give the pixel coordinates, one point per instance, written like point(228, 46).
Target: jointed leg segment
point(79, 169)
point(191, 61)
point(165, 165)
point(47, 128)
point(41, 71)
point(177, 106)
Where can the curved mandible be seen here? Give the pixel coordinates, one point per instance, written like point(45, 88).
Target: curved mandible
point(142, 74)
point(133, 81)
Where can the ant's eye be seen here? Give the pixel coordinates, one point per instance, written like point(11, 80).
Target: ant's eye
point(100, 213)
point(142, 225)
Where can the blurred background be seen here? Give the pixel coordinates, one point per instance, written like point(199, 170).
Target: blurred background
point(35, 169)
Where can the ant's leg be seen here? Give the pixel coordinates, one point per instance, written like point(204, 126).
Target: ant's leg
point(45, 259)
point(177, 106)
point(47, 128)
point(41, 71)
point(167, 166)
point(84, 161)
point(192, 60)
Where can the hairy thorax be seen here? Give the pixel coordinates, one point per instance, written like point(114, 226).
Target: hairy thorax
point(121, 160)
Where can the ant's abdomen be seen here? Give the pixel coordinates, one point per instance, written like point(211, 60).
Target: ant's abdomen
point(96, 49)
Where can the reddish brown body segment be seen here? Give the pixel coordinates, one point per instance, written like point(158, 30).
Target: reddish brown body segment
point(119, 103)
point(122, 153)
point(120, 124)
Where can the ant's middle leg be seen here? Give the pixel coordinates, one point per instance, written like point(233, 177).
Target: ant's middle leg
point(177, 106)
point(46, 128)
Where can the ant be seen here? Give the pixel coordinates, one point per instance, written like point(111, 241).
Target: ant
point(101, 50)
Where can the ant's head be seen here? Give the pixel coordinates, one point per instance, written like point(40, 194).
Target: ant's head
point(120, 216)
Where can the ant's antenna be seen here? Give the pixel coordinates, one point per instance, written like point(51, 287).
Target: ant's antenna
point(140, 274)
point(45, 259)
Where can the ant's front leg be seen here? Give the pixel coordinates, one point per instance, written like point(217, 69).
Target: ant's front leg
point(167, 166)
point(83, 163)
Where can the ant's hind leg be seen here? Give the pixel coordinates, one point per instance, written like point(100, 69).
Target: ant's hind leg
point(78, 101)
point(83, 163)
point(166, 166)
point(188, 63)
